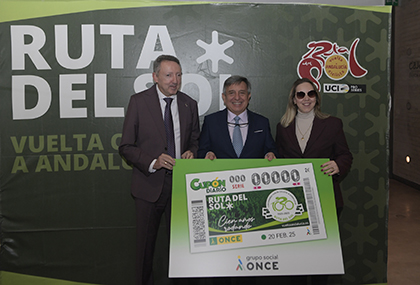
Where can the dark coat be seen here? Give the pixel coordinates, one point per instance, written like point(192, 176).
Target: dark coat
point(327, 140)
point(144, 139)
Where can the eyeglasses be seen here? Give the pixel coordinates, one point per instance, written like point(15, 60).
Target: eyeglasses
point(301, 94)
point(240, 125)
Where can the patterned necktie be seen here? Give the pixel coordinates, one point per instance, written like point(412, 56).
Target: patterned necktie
point(237, 137)
point(169, 128)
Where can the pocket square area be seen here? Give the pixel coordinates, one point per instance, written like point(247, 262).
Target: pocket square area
point(258, 131)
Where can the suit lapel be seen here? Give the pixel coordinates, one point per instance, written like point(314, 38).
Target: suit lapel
point(291, 137)
point(225, 139)
point(153, 105)
point(251, 129)
point(317, 128)
point(183, 110)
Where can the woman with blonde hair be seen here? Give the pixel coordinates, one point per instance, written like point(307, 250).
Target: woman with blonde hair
point(305, 132)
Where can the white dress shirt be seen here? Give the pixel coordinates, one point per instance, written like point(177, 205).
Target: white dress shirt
point(243, 120)
point(175, 119)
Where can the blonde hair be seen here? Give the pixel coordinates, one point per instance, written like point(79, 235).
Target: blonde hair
point(291, 109)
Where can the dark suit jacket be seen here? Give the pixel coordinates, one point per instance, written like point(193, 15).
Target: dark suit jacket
point(144, 139)
point(327, 140)
point(215, 137)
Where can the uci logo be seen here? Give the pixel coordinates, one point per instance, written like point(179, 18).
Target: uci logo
point(336, 88)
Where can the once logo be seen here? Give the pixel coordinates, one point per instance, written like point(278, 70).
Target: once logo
point(226, 239)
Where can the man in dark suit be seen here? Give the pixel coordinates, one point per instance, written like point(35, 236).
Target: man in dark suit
point(236, 132)
point(161, 124)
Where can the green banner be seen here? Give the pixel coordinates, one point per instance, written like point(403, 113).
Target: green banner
point(68, 71)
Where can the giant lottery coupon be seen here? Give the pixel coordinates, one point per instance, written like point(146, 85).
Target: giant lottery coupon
point(253, 217)
point(253, 207)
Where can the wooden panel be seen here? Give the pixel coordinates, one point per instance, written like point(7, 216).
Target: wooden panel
point(406, 97)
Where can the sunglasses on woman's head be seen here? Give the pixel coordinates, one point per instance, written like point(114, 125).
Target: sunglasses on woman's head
point(301, 94)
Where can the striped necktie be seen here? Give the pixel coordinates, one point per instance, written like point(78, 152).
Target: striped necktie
point(237, 137)
point(169, 128)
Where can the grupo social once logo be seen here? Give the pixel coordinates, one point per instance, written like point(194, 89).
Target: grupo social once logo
point(325, 57)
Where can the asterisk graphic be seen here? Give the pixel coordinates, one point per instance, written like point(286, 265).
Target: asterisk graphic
point(229, 206)
point(215, 51)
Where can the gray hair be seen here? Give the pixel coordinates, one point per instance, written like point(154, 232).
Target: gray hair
point(236, 79)
point(163, 57)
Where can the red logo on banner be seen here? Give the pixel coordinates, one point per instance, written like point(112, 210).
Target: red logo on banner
point(329, 58)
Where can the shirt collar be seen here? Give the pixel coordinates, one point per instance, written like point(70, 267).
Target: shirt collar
point(162, 96)
point(243, 116)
